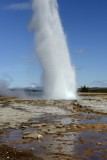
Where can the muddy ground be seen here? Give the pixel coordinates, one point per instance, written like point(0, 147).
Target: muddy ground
point(53, 130)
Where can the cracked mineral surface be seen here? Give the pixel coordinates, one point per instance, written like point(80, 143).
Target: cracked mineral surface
point(53, 130)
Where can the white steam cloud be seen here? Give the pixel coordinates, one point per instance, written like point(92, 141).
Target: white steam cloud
point(6, 91)
point(18, 6)
point(51, 47)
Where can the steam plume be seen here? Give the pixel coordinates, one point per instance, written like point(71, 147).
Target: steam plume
point(6, 91)
point(51, 47)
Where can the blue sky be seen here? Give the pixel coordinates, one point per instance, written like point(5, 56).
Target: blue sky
point(85, 25)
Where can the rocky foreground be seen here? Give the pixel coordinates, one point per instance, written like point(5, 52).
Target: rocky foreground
point(53, 129)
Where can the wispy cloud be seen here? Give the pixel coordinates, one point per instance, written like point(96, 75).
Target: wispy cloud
point(18, 6)
point(28, 58)
point(102, 83)
point(81, 50)
point(81, 67)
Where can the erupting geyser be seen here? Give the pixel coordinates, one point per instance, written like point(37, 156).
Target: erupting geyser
point(51, 47)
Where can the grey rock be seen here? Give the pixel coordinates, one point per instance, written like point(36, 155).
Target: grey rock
point(34, 135)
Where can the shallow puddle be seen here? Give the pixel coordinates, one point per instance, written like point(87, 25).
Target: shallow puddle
point(84, 138)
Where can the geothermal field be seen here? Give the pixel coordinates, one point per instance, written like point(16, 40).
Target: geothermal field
point(54, 129)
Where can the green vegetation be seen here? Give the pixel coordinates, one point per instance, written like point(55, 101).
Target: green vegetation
point(83, 89)
point(93, 89)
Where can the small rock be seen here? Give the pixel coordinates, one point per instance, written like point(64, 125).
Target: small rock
point(40, 136)
point(32, 149)
point(39, 125)
point(12, 125)
point(58, 126)
point(99, 130)
point(34, 135)
point(24, 127)
point(98, 144)
point(26, 133)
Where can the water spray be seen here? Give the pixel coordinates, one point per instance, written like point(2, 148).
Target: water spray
point(59, 80)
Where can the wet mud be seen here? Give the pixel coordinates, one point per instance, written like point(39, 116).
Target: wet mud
point(73, 132)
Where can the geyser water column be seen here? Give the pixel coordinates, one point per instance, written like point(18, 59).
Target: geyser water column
point(51, 47)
